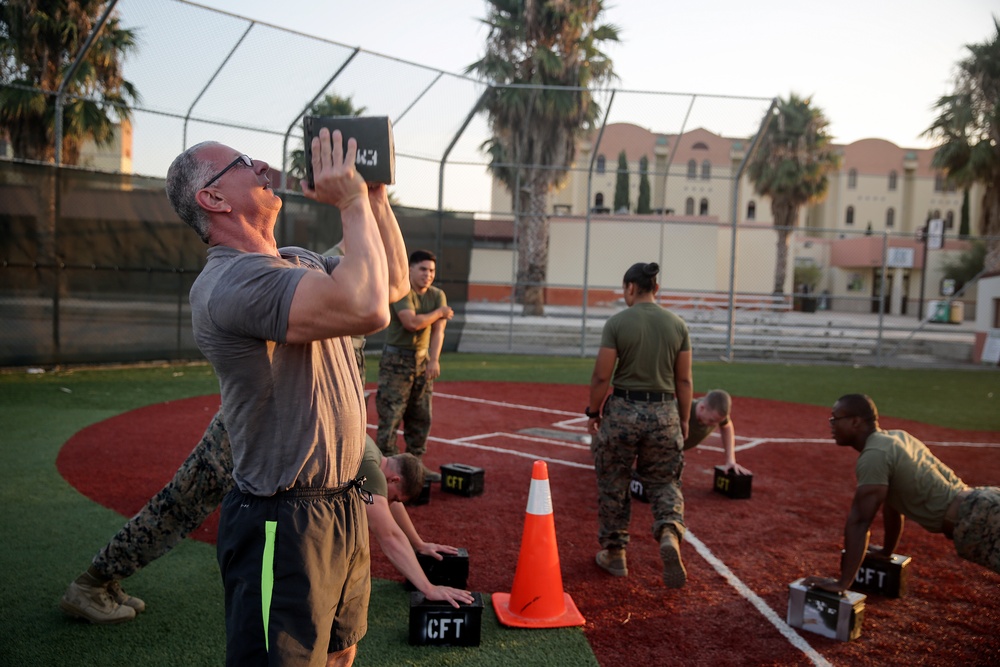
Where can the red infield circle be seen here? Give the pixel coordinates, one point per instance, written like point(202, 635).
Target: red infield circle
point(740, 554)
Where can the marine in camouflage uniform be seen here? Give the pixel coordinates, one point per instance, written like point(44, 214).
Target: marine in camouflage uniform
point(411, 361)
point(646, 352)
point(197, 488)
point(898, 474)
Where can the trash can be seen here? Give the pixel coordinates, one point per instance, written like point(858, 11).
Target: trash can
point(937, 311)
point(956, 312)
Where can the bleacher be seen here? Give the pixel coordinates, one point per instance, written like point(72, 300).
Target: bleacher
point(700, 306)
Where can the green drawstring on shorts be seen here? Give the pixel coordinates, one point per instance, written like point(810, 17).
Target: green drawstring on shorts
point(267, 574)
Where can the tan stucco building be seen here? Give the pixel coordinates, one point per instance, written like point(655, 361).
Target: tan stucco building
point(877, 201)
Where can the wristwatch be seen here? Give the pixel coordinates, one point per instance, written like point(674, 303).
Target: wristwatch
point(592, 415)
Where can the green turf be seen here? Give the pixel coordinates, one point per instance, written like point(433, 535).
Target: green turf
point(50, 531)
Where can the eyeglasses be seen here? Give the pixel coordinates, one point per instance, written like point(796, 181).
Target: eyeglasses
point(833, 419)
point(245, 159)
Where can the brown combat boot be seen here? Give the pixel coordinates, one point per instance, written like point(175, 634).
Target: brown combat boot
point(674, 574)
point(89, 599)
point(612, 561)
point(121, 597)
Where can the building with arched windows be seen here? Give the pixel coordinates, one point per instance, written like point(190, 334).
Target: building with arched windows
point(882, 194)
point(891, 188)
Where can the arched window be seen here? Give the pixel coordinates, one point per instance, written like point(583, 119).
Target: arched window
point(852, 179)
point(850, 216)
point(706, 170)
point(949, 220)
point(937, 214)
point(600, 164)
point(938, 183)
point(752, 211)
point(689, 206)
point(703, 207)
point(700, 146)
point(890, 218)
point(692, 169)
point(599, 200)
point(892, 180)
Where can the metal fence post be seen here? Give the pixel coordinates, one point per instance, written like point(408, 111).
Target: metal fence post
point(734, 213)
point(586, 227)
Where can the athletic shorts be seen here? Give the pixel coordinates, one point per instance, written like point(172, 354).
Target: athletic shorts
point(296, 572)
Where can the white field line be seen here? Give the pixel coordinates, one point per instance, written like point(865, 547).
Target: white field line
point(466, 442)
point(502, 404)
point(529, 438)
point(780, 625)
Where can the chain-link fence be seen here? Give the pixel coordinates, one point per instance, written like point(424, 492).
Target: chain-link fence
point(96, 267)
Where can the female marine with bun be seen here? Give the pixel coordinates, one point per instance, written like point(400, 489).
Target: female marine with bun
point(646, 354)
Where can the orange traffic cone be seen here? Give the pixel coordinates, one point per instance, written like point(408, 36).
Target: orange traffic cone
point(537, 599)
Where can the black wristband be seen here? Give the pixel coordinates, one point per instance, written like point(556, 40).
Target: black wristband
point(593, 415)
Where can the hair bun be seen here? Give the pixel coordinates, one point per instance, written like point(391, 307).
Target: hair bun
point(651, 269)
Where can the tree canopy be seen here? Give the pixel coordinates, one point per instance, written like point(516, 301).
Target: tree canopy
point(643, 205)
point(968, 126)
point(39, 41)
point(790, 167)
point(622, 199)
point(330, 104)
point(541, 58)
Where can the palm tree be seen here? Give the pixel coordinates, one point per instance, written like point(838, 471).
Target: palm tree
point(642, 206)
point(39, 41)
point(331, 105)
point(790, 168)
point(553, 46)
point(968, 125)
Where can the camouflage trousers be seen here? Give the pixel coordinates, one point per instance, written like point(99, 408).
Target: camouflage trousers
point(359, 354)
point(181, 506)
point(404, 395)
point(647, 435)
point(977, 531)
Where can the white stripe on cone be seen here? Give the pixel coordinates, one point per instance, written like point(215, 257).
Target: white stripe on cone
point(539, 498)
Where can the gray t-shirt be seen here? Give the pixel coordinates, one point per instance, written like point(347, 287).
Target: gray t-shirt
point(295, 413)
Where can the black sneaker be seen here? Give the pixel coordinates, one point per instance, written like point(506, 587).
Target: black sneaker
point(431, 476)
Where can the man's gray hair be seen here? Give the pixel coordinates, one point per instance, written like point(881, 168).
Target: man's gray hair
point(184, 179)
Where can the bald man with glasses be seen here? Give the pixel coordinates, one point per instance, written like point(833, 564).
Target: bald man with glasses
point(899, 475)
